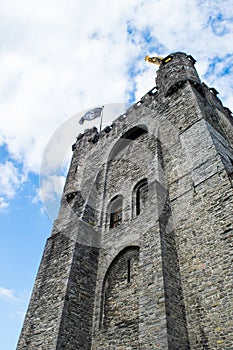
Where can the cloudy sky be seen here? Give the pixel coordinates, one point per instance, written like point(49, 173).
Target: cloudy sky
point(58, 59)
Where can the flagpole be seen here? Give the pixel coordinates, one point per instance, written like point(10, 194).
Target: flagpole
point(101, 120)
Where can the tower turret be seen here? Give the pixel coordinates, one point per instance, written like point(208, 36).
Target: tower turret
point(174, 71)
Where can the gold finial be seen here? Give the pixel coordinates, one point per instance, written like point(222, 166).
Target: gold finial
point(155, 60)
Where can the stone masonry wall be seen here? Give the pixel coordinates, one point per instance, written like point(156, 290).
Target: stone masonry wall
point(42, 322)
point(180, 296)
point(136, 161)
point(202, 218)
point(76, 323)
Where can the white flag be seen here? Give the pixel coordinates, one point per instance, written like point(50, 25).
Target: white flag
point(92, 114)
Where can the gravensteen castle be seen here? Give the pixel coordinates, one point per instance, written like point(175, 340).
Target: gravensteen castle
point(140, 256)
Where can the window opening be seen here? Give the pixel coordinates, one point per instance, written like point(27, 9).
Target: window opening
point(166, 60)
point(128, 270)
point(138, 202)
point(116, 218)
point(116, 212)
point(141, 195)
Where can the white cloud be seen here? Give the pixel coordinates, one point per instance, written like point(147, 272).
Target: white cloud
point(49, 194)
point(6, 293)
point(4, 204)
point(10, 180)
point(51, 187)
point(61, 57)
point(57, 156)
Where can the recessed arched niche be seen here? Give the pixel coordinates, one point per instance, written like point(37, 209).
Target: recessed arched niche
point(120, 292)
point(127, 138)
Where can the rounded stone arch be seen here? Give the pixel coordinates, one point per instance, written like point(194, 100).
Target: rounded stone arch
point(120, 297)
point(126, 138)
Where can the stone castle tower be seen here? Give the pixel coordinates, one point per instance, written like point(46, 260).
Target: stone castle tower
point(140, 254)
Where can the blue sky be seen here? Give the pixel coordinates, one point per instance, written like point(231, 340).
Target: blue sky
point(57, 59)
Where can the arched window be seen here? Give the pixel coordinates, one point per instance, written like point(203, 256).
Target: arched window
point(140, 196)
point(115, 211)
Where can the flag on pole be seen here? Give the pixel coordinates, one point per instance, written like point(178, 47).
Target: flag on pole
point(92, 114)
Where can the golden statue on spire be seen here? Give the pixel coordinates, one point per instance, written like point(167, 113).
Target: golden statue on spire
point(155, 60)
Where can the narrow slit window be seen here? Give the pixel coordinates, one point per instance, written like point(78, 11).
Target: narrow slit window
point(128, 271)
point(138, 207)
point(140, 196)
